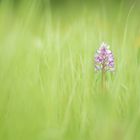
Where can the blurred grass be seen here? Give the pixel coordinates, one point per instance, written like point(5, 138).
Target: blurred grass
point(48, 87)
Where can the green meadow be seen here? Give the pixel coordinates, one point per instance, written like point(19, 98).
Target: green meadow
point(48, 87)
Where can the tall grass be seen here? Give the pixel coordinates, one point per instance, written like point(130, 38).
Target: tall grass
point(48, 87)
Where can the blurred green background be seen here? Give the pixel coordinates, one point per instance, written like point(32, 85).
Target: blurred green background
point(48, 87)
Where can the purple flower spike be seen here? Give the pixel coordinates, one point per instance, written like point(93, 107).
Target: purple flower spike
point(104, 59)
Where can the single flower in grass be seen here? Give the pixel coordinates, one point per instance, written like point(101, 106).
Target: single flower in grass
point(104, 61)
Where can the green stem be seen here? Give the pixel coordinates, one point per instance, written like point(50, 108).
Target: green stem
point(103, 80)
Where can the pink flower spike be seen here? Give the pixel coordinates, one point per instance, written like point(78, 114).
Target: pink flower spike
point(104, 59)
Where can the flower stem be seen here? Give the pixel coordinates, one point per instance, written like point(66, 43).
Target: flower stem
point(103, 80)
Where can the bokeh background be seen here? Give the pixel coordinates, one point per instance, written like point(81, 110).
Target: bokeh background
point(48, 87)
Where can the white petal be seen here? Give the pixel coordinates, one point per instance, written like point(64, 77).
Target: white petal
point(108, 51)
